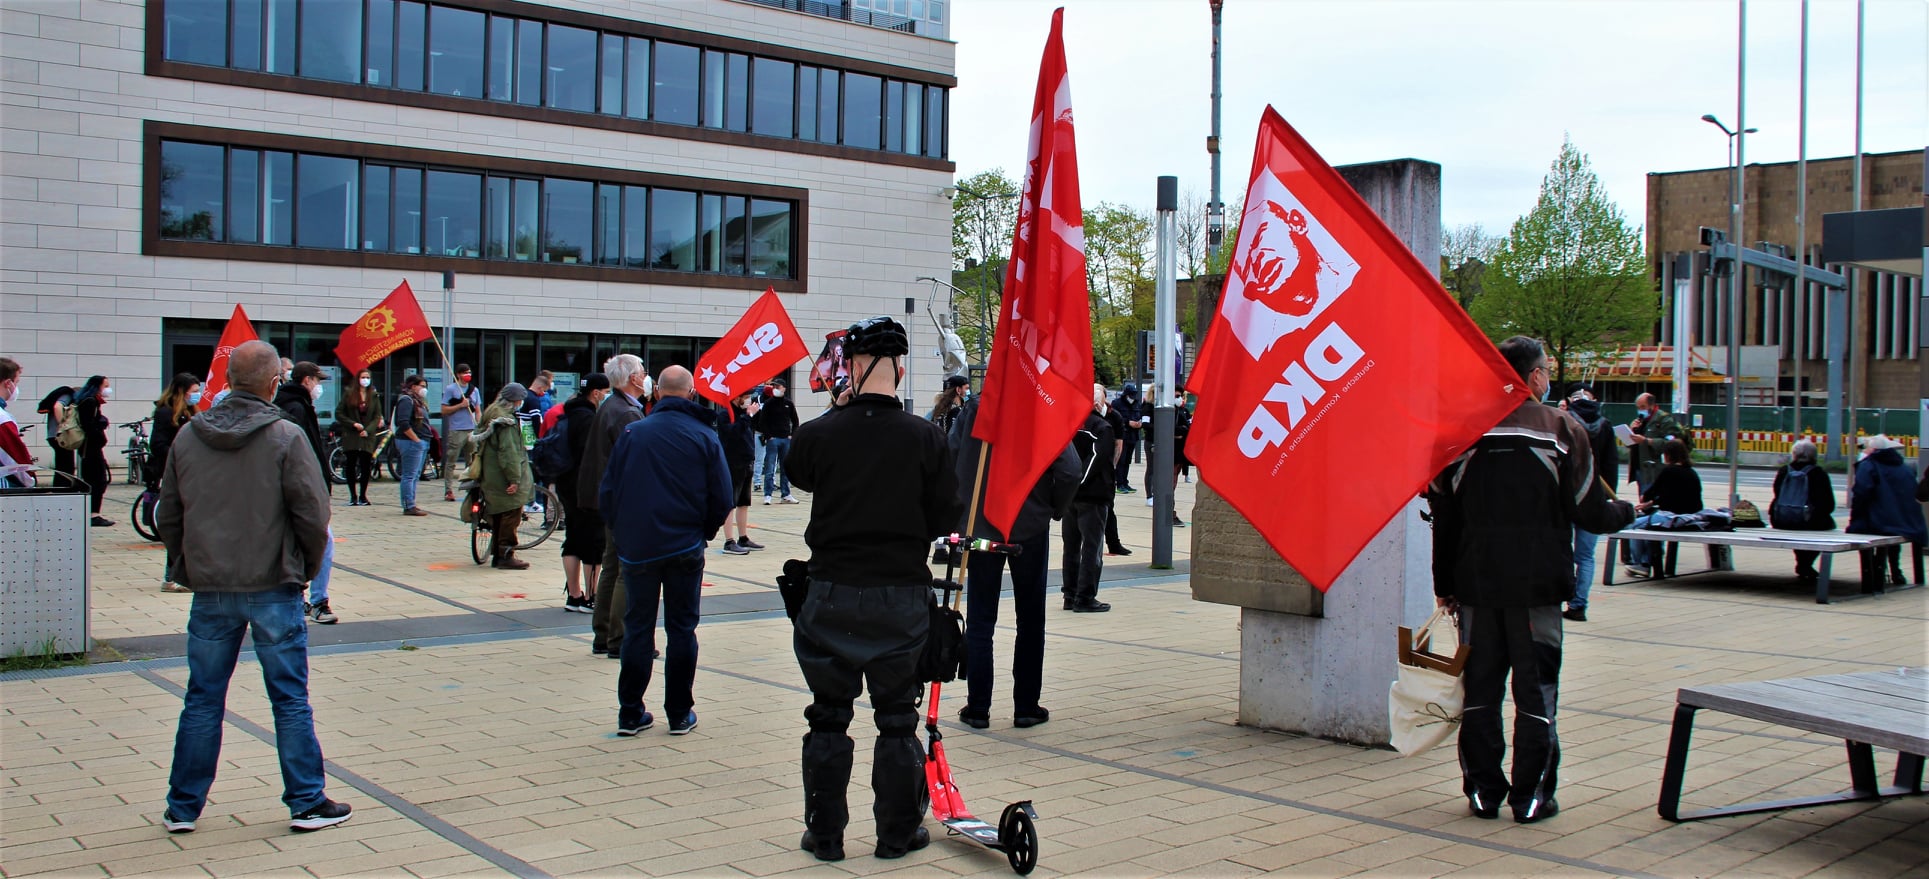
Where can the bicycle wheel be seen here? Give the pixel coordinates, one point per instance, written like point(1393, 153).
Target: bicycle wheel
point(543, 523)
point(136, 462)
point(480, 538)
point(142, 517)
point(338, 465)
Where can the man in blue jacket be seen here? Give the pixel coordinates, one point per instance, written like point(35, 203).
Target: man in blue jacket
point(666, 491)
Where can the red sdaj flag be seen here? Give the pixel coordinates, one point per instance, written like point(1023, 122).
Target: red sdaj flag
point(236, 332)
point(1038, 386)
point(1338, 376)
point(396, 323)
point(763, 343)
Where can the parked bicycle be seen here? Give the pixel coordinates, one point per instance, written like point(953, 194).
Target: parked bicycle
point(142, 515)
point(136, 451)
point(386, 456)
point(541, 518)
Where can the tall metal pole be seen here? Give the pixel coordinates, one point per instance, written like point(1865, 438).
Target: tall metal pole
point(1737, 277)
point(1801, 225)
point(448, 326)
point(1165, 329)
point(1216, 211)
point(1857, 354)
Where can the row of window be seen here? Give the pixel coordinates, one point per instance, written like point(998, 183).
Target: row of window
point(211, 192)
point(446, 50)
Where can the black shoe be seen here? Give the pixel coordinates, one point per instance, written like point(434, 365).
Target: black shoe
point(974, 719)
point(1091, 607)
point(616, 653)
point(749, 544)
point(917, 841)
point(684, 726)
point(1069, 603)
point(1488, 812)
point(825, 850)
point(1546, 810)
point(1118, 550)
point(1031, 718)
point(102, 522)
point(327, 813)
point(572, 604)
point(1577, 614)
point(1808, 576)
point(176, 825)
point(1896, 579)
point(632, 727)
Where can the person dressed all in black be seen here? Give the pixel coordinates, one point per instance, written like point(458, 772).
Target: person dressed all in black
point(1882, 501)
point(1050, 498)
point(1121, 422)
point(1804, 501)
point(1098, 449)
point(1503, 557)
point(1676, 489)
point(173, 410)
point(93, 453)
point(884, 486)
point(583, 544)
point(1132, 415)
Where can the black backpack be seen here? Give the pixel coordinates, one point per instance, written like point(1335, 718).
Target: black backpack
point(550, 457)
point(1790, 509)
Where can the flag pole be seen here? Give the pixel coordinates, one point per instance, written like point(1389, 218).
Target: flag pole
point(971, 519)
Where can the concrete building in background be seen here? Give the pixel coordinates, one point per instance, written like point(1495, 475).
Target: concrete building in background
point(600, 175)
point(1883, 356)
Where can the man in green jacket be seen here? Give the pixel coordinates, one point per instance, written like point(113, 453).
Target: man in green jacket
point(507, 485)
point(1652, 426)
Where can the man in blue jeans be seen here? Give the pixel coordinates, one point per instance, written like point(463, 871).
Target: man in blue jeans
point(241, 469)
point(665, 492)
point(776, 422)
point(412, 439)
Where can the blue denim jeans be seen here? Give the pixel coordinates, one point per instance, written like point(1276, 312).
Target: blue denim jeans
point(775, 450)
point(318, 587)
point(1643, 553)
point(216, 623)
point(1584, 543)
point(414, 457)
point(678, 581)
point(756, 458)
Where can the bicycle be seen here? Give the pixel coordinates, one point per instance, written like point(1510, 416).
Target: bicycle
point(142, 515)
point(338, 459)
point(390, 456)
point(548, 513)
point(136, 451)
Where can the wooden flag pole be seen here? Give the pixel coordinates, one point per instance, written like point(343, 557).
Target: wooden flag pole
point(971, 518)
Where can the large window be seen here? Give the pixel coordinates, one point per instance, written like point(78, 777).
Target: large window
point(420, 46)
point(315, 201)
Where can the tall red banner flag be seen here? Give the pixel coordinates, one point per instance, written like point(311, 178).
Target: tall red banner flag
point(237, 331)
point(1038, 386)
point(763, 342)
point(396, 323)
point(1338, 376)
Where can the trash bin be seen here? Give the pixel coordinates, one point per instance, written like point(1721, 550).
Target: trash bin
point(44, 588)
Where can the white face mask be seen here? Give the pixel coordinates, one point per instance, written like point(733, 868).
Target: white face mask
point(314, 393)
point(363, 382)
point(107, 393)
point(777, 392)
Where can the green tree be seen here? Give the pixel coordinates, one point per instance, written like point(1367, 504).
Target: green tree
point(1465, 252)
point(1119, 271)
point(1571, 272)
point(984, 216)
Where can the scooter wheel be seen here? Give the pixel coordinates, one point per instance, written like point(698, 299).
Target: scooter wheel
point(1019, 838)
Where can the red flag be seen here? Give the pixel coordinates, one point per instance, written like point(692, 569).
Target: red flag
point(236, 332)
point(1038, 386)
point(763, 343)
point(396, 323)
point(1338, 376)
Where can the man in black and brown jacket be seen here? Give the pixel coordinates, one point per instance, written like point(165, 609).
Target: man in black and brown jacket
point(1503, 555)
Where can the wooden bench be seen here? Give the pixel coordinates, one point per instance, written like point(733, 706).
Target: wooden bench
point(1888, 709)
point(1828, 543)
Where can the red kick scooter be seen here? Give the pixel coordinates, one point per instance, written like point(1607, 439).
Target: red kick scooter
point(1015, 834)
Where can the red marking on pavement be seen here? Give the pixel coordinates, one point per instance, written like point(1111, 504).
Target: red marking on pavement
point(708, 585)
point(444, 566)
point(513, 595)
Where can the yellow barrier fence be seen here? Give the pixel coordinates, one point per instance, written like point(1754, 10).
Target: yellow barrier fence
point(1777, 443)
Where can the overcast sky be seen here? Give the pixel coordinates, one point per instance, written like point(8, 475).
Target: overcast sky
point(1486, 88)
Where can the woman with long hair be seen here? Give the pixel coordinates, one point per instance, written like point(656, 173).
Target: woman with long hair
point(93, 453)
point(171, 412)
point(359, 417)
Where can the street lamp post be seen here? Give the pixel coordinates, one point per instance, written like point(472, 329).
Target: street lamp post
point(1735, 272)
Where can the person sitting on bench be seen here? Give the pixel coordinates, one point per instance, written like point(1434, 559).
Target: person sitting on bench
point(1882, 501)
point(1676, 489)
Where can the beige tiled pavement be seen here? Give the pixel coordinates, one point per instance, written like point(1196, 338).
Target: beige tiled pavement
point(494, 752)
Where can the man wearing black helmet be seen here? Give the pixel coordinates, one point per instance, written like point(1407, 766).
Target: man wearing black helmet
point(882, 488)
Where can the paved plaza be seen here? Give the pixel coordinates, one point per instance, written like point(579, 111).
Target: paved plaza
point(465, 719)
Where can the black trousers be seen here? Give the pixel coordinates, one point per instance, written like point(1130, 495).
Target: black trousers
point(847, 638)
point(1877, 564)
point(1526, 643)
point(93, 468)
point(986, 579)
point(358, 468)
point(1112, 526)
point(1122, 472)
point(1081, 563)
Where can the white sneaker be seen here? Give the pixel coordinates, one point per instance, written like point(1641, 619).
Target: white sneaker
point(766, 500)
point(787, 499)
point(1151, 502)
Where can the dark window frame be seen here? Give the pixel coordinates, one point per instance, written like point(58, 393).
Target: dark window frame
point(156, 64)
point(154, 245)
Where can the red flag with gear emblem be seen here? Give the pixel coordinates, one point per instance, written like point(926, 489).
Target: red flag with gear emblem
point(237, 331)
point(1338, 376)
point(395, 323)
point(1038, 385)
point(763, 343)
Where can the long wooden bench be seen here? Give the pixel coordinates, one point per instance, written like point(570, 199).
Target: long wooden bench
point(1828, 543)
point(1888, 709)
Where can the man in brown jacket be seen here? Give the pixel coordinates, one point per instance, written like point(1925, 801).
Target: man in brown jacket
point(244, 514)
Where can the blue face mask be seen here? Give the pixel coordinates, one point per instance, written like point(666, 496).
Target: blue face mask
point(194, 399)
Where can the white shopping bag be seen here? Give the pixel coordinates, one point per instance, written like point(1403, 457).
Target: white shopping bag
point(1424, 704)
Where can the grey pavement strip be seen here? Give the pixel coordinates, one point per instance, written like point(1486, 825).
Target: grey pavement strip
point(423, 592)
point(1645, 643)
point(1229, 790)
point(508, 862)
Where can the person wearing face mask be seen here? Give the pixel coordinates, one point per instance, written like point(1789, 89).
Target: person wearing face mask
point(1504, 514)
point(461, 403)
point(583, 541)
point(1082, 531)
point(944, 411)
point(1651, 427)
point(172, 411)
point(359, 415)
point(93, 452)
point(629, 386)
point(735, 433)
point(411, 422)
point(296, 399)
point(777, 422)
point(13, 448)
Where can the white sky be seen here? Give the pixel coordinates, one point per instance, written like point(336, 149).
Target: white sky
point(1485, 88)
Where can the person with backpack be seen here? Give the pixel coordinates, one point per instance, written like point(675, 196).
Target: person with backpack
point(64, 435)
point(93, 448)
point(1804, 501)
point(1607, 465)
point(583, 541)
point(1882, 501)
point(504, 473)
